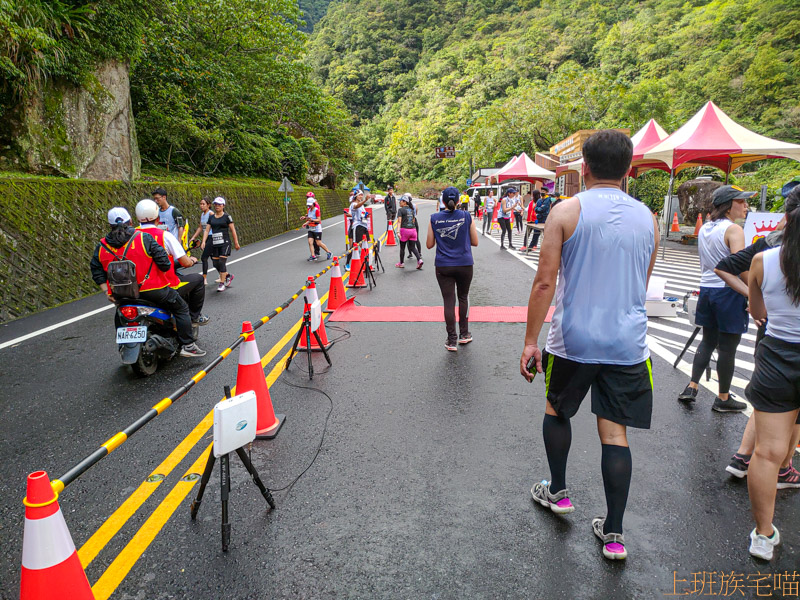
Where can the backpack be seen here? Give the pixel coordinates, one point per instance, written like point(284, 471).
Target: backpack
point(121, 273)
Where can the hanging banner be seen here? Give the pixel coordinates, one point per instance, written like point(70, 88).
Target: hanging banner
point(759, 224)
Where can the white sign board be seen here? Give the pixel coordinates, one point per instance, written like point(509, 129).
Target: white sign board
point(759, 224)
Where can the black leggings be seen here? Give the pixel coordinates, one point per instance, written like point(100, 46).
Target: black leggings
point(487, 221)
point(505, 227)
point(204, 258)
point(726, 344)
point(518, 221)
point(412, 249)
point(450, 279)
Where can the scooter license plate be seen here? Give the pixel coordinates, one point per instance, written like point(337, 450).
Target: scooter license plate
point(130, 335)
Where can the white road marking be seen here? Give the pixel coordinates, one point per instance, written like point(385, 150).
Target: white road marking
point(44, 330)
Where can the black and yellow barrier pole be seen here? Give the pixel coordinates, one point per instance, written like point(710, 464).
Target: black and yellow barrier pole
point(121, 437)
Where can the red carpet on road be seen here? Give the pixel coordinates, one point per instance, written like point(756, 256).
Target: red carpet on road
point(430, 314)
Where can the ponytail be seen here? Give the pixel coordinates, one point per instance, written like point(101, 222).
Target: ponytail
point(451, 204)
point(790, 247)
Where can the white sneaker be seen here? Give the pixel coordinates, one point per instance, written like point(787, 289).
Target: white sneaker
point(762, 546)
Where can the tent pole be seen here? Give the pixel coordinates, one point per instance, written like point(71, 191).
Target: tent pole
point(667, 207)
point(728, 172)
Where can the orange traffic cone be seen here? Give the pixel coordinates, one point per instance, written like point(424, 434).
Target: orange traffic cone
point(356, 274)
point(250, 377)
point(495, 225)
point(50, 564)
point(698, 225)
point(390, 241)
point(336, 294)
point(311, 297)
point(675, 226)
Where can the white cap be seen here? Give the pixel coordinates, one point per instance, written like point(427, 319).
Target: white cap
point(219, 200)
point(310, 202)
point(118, 215)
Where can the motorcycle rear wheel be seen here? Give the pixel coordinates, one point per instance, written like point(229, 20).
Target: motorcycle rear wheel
point(146, 364)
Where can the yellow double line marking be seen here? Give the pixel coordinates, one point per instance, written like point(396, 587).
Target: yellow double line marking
point(130, 554)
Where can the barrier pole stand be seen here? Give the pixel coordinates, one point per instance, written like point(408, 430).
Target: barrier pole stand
point(305, 330)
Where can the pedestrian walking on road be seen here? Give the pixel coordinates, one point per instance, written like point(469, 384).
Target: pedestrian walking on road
point(721, 311)
point(488, 211)
point(600, 248)
point(220, 229)
point(205, 213)
point(408, 231)
point(313, 222)
point(729, 270)
point(358, 222)
point(453, 232)
point(170, 217)
point(774, 390)
point(504, 214)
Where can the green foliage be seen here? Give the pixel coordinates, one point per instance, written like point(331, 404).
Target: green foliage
point(76, 219)
point(220, 88)
point(496, 78)
point(313, 11)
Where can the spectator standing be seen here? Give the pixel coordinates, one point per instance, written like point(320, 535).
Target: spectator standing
point(598, 334)
point(476, 201)
point(774, 390)
point(390, 203)
point(530, 217)
point(543, 206)
point(463, 201)
point(721, 311)
point(504, 214)
point(453, 232)
point(488, 211)
point(358, 227)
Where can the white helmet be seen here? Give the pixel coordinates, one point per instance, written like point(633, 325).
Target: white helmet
point(146, 210)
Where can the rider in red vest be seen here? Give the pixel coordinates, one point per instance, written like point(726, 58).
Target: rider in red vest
point(152, 267)
point(192, 286)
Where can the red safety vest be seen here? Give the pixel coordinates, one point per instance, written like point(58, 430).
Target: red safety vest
point(156, 279)
point(158, 235)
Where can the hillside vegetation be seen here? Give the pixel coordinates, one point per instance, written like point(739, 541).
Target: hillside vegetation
point(496, 77)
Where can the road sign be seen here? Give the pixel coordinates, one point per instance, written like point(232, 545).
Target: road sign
point(286, 185)
point(469, 182)
point(446, 152)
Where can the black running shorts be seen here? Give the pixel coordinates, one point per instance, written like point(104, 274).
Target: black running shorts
point(620, 393)
point(315, 235)
point(775, 385)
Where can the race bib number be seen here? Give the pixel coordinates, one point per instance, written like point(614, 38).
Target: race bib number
point(217, 239)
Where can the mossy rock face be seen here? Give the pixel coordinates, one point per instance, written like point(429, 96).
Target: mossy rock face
point(74, 131)
point(695, 198)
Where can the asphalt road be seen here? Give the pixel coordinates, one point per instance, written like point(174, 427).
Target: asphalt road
point(421, 488)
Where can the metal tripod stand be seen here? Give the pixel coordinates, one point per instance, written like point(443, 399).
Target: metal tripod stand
point(305, 330)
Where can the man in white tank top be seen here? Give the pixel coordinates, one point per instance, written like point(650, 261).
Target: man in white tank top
point(603, 243)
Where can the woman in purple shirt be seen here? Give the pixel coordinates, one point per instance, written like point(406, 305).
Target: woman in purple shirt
point(453, 232)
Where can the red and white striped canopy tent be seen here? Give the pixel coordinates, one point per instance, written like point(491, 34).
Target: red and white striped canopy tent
point(644, 139)
point(524, 169)
point(712, 138)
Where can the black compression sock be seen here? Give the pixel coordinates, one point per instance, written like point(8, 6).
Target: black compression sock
point(616, 465)
point(557, 434)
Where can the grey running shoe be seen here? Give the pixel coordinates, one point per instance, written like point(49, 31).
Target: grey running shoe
point(202, 320)
point(559, 503)
point(451, 345)
point(192, 351)
point(465, 338)
point(788, 478)
point(729, 405)
point(613, 543)
point(762, 546)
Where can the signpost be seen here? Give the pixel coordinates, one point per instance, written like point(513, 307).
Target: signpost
point(286, 187)
point(446, 152)
point(469, 182)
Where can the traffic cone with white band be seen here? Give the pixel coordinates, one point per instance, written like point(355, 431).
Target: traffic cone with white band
point(336, 295)
point(675, 225)
point(311, 297)
point(355, 270)
point(50, 564)
point(250, 377)
point(390, 241)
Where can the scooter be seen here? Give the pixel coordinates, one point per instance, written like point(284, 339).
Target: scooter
point(146, 334)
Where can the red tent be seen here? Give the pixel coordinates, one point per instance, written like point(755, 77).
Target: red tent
point(712, 138)
point(524, 169)
point(644, 139)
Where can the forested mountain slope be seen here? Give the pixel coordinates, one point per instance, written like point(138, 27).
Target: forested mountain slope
point(497, 77)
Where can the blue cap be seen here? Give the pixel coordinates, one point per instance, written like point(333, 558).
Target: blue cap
point(450, 193)
point(511, 190)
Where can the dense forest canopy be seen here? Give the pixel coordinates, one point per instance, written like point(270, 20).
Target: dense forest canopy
point(498, 77)
point(218, 86)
